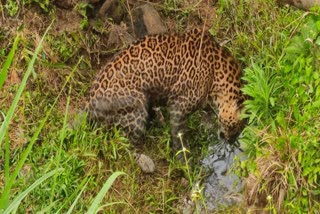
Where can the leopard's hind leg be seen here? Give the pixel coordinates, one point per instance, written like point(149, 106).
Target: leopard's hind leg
point(127, 111)
point(130, 113)
point(133, 120)
point(178, 120)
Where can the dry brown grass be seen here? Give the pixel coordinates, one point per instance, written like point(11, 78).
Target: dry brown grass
point(268, 187)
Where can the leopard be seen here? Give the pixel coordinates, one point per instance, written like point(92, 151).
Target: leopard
point(184, 72)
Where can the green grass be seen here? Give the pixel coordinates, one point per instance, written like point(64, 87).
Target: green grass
point(9, 180)
point(9, 204)
point(51, 168)
point(282, 81)
point(4, 70)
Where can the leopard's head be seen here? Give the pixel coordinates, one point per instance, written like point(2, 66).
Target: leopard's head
point(230, 123)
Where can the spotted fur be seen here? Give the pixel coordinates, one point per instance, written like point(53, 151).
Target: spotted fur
point(185, 72)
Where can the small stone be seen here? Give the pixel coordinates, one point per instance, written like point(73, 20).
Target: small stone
point(65, 4)
point(145, 163)
point(147, 21)
point(119, 37)
point(112, 9)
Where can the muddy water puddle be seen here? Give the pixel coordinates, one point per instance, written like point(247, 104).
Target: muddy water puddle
point(222, 188)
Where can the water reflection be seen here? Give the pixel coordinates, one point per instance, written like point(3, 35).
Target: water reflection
point(222, 187)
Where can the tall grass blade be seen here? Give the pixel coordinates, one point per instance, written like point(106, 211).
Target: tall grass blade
point(66, 201)
point(48, 208)
point(6, 159)
point(76, 200)
point(64, 128)
point(8, 183)
point(96, 202)
point(5, 195)
point(111, 204)
point(15, 203)
point(4, 70)
point(5, 125)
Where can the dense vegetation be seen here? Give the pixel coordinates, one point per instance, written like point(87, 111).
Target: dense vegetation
point(47, 166)
point(284, 136)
